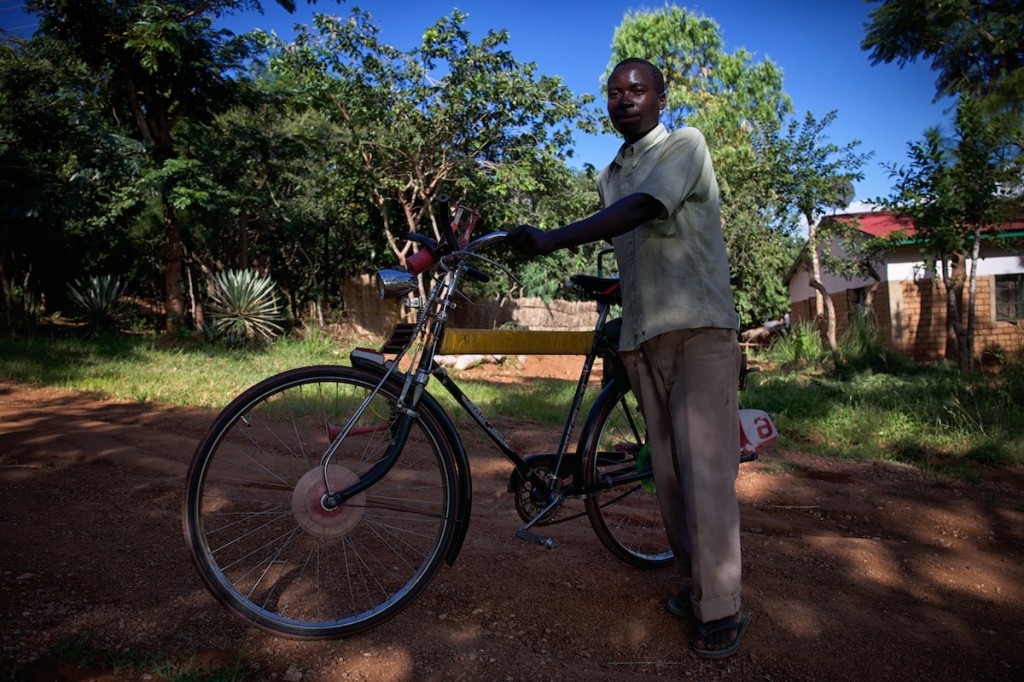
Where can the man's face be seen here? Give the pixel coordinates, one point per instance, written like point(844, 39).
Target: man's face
point(634, 104)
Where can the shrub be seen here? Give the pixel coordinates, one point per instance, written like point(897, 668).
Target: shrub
point(801, 345)
point(99, 303)
point(244, 308)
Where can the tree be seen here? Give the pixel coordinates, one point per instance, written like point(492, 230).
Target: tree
point(951, 194)
point(760, 235)
point(818, 176)
point(59, 159)
point(974, 46)
point(280, 198)
point(734, 101)
point(161, 64)
point(450, 116)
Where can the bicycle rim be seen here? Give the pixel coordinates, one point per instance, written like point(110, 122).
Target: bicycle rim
point(254, 524)
point(626, 517)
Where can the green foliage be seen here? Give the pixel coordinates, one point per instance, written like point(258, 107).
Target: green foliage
point(190, 670)
point(453, 115)
point(61, 166)
point(935, 418)
point(802, 345)
point(98, 302)
point(84, 651)
point(974, 47)
point(21, 311)
point(160, 69)
point(861, 336)
point(814, 176)
point(760, 237)
point(860, 347)
point(134, 367)
point(244, 308)
point(863, 350)
point(950, 190)
point(723, 94)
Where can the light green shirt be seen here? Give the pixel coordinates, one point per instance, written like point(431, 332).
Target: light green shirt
point(674, 270)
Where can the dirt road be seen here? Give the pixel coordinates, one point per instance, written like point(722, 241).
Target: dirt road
point(853, 571)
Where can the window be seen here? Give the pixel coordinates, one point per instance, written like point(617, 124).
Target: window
point(1010, 297)
point(857, 303)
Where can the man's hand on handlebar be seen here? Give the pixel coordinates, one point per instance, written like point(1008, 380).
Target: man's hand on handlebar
point(530, 241)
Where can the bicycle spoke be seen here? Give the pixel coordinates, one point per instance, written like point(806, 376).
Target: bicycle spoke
point(258, 531)
point(625, 517)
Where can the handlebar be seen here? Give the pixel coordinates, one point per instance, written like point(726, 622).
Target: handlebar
point(485, 241)
point(427, 256)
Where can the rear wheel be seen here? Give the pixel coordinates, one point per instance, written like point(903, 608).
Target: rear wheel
point(626, 516)
point(257, 531)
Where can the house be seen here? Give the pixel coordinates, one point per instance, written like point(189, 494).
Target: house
point(909, 303)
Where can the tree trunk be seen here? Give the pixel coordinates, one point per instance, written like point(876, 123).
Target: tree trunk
point(972, 290)
point(830, 320)
point(243, 240)
point(173, 253)
point(819, 297)
point(823, 301)
point(952, 279)
point(5, 289)
point(195, 299)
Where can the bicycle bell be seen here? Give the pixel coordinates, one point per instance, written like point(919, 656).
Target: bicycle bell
point(394, 283)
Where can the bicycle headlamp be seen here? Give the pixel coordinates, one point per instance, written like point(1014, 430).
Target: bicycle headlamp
point(394, 283)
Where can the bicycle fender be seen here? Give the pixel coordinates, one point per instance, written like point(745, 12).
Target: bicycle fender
point(373, 363)
point(465, 495)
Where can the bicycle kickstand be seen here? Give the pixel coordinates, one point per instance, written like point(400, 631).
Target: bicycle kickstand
point(542, 540)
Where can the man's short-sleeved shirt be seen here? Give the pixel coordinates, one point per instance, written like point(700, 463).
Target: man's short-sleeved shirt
point(674, 270)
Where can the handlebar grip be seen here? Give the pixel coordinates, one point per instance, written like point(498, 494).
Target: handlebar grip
point(419, 261)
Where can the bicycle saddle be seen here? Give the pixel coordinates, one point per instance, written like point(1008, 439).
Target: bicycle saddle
point(600, 289)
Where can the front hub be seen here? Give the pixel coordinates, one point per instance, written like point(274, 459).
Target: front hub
point(309, 512)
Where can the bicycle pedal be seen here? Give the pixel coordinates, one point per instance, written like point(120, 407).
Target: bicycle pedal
point(541, 540)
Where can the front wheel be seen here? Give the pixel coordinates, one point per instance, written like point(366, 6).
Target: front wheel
point(626, 516)
point(255, 526)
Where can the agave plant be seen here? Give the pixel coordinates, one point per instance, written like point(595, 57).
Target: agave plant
point(244, 308)
point(802, 345)
point(99, 302)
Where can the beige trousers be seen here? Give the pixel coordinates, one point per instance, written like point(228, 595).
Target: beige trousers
point(686, 382)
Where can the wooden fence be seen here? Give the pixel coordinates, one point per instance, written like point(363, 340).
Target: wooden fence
point(366, 315)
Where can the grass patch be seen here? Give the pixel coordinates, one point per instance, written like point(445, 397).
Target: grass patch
point(934, 417)
point(149, 368)
point(882, 408)
point(83, 651)
point(544, 400)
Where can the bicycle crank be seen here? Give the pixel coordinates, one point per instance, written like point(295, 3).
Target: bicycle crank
point(533, 495)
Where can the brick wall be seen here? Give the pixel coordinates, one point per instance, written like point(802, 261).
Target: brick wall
point(911, 317)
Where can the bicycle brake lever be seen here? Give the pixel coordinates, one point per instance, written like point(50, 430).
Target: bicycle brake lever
point(496, 264)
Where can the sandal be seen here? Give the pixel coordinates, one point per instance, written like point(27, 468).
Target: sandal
point(681, 605)
point(706, 630)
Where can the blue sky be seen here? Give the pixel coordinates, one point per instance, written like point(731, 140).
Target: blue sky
point(815, 42)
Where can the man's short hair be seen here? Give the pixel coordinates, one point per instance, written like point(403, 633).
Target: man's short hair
point(652, 69)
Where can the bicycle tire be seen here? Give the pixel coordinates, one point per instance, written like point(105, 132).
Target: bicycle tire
point(625, 517)
point(261, 542)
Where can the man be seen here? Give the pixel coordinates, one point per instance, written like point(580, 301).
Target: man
point(678, 339)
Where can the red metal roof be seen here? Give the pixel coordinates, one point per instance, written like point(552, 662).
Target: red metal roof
point(883, 224)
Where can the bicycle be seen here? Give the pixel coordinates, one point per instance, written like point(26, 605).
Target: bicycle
point(323, 499)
